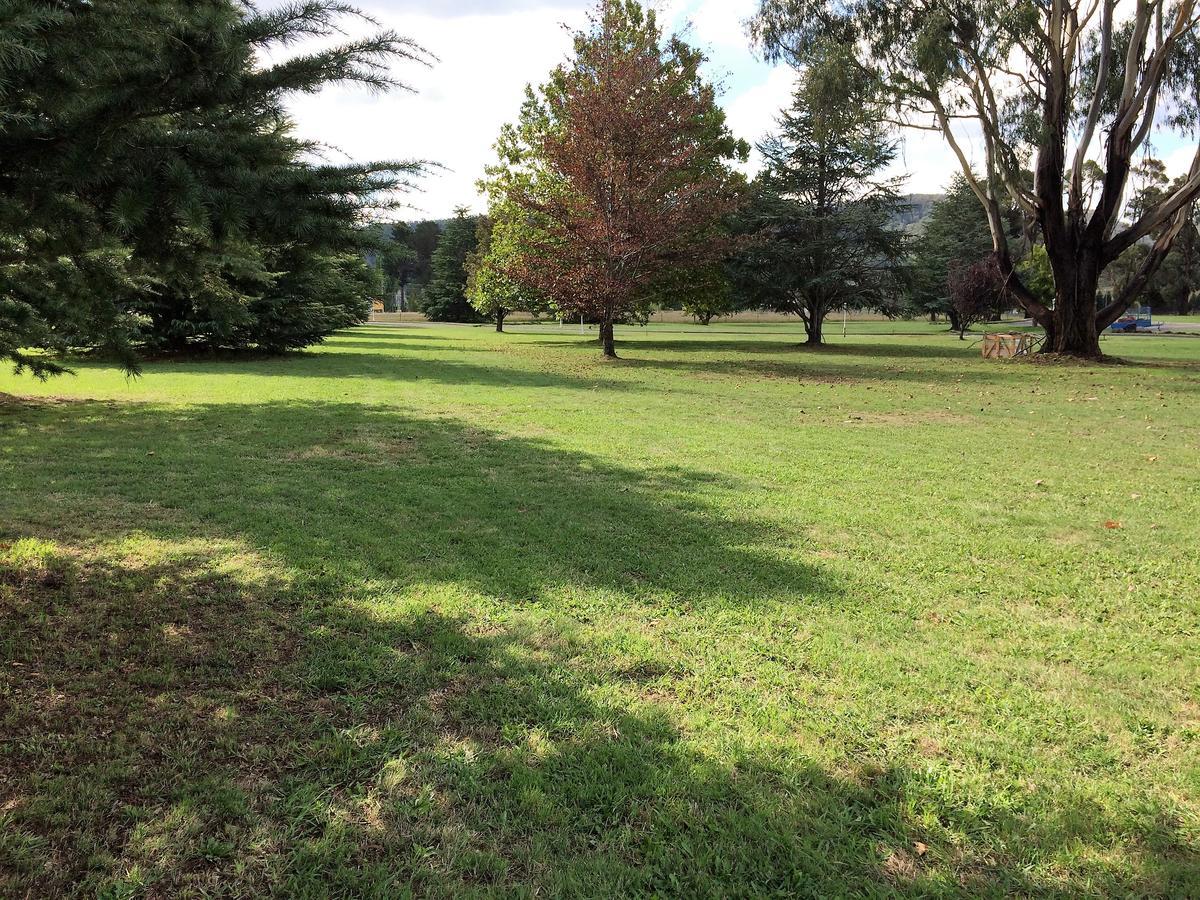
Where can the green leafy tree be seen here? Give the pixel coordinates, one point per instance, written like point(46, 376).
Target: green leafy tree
point(821, 218)
point(1044, 84)
point(502, 242)
point(1174, 282)
point(1037, 273)
point(445, 299)
point(704, 293)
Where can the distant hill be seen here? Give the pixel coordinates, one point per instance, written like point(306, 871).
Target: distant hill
point(916, 210)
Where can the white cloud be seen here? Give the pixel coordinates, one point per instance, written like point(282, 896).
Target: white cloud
point(1179, 161)
point(752, 114)
point(485, 59)
point(478, 83)
point(927, 161)
point(722, 23)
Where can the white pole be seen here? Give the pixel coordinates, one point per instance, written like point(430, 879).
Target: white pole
point(844, 314)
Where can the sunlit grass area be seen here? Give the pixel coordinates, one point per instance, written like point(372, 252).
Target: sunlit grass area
point(441, 610)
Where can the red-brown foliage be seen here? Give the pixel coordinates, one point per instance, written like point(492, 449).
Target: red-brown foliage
point(630, 181)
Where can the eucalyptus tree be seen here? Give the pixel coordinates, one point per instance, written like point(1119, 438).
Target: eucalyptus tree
point(1045, 86)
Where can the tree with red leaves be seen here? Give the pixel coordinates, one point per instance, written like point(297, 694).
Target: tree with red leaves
point(977, 291)
point(620, 163)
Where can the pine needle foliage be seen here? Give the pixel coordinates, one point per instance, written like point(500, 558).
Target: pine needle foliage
point(153, 193)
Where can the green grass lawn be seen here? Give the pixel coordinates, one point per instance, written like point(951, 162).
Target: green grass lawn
point(456, 613)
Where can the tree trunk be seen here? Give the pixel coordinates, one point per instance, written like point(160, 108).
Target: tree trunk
point(955, 320)
point(813, 328)
point(1074, 330)
point(607, 342)
point(500, 320)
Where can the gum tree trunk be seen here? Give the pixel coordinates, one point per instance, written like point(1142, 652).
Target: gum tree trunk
point(1075, 329)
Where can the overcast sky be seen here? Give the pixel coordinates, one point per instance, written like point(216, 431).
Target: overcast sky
point(488, 50)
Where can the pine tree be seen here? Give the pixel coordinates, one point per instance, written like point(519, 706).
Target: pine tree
point(398, 264)
point(148, 172)
point(956, 234)
point(821, 219)
point(445, 300)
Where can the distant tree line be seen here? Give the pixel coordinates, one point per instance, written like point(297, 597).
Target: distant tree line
point(155, 199)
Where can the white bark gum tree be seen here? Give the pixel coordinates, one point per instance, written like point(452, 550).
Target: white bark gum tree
point(1047, 83)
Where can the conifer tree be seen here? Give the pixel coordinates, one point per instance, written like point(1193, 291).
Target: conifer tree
point(151, 190)
point(821, 218)
point(956, 234)
point(445, 300)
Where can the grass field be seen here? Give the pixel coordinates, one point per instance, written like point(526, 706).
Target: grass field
point(440, 611)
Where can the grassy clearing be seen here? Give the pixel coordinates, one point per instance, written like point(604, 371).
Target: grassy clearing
point(439, 610)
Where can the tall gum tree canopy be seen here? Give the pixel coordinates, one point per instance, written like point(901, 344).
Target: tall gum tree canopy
point(1045, 86)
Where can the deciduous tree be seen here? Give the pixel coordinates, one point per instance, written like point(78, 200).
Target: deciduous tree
point(621, 161)
point(975, 290)
point(503, 238)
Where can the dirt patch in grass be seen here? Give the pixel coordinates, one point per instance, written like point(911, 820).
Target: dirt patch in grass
point(14, 402)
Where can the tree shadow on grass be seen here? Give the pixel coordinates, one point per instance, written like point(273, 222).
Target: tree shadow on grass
point(817, 366)
point(391, 332)
point(232, 673)
point(401, 343)
point(791, 347)
point(779, 360)
point(370, 493)
point(356, 365)
point(181, 718)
